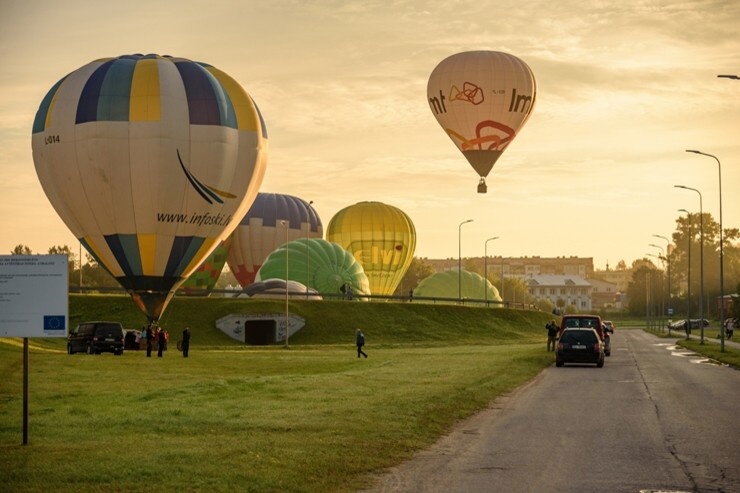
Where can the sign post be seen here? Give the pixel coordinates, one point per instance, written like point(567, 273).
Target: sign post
point(34, 302)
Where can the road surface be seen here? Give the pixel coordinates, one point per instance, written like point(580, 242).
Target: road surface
point(655, 418)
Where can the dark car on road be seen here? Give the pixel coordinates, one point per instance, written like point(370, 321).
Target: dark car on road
point(580, 346)
point(582, 321)
point(96, 338)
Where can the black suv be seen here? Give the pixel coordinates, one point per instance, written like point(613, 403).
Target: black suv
point(95, 338)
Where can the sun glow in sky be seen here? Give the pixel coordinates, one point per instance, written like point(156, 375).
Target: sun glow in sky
point(624, 88)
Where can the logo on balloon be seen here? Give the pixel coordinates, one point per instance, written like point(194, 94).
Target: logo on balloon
point(208, 193)
point(470, 93)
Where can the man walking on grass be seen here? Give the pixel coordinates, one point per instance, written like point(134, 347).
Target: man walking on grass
point(360, 340)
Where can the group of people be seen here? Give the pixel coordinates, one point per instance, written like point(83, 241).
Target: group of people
point(154, 333)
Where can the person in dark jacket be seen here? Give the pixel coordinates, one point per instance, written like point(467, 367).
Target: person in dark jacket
point(185, 342)
point(161, 342)
point(149, 341)
point(360, 340)
point(552, 335)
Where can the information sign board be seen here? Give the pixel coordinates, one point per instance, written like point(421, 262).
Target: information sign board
point(34, 299)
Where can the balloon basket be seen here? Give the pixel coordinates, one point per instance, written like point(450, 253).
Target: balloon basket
point(482, 187)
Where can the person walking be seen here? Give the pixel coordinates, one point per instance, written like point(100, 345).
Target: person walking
point(185, 342)
point(552, 335)
point(360, 341)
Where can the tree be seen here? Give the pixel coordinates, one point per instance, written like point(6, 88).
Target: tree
point(21, 250)
point(687, 238)
point(417, 271)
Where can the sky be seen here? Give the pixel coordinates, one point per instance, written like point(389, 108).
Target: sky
point(624, 88)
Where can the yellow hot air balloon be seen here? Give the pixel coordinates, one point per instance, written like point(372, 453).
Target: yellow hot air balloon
point(381, 237)
point(482, 99)
point(150, 161)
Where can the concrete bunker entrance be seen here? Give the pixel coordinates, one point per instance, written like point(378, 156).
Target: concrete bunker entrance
point(260, 332)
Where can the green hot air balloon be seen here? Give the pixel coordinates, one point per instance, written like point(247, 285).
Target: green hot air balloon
point(327, 266)
point(445, 285)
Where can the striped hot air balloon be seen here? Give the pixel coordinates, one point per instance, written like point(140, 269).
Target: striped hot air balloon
point(150, 161)
point(263, 229)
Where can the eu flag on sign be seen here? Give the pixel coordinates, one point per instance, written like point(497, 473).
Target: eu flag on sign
point(54, 322)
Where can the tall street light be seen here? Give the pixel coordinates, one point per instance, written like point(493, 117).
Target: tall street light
point(701, 259)
point(721, 255)
point(729, 77)
point(287, 328)
point(688, 276)
point(485, 266)
point(662, 259)
point(668, 264)
point(308, 254)
point(650, 287)
point(459, 259)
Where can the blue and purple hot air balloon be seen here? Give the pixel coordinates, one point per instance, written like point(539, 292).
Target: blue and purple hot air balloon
point(263, 230)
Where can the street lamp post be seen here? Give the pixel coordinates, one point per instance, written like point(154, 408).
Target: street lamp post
point(701, 260)
point(721, 255)
point(662, 259)
point(668, 265)
point(485, 267)
point(688, 276)
point(287, 328)
point(729, 77)
point(308, 254)
point(459, 259)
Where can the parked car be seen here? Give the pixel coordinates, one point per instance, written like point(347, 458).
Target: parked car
point(95, 338)
point(580, 346)
point(681, 324)
point(608, 330)
point(576, 321)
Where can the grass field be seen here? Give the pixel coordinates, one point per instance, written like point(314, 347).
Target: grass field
point(311, 418)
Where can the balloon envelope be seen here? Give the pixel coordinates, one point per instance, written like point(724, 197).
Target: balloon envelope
point(481, 99)
point(263, 229)
point(326, 265)
point(150, 161)
point(445, 285)
point(202, 281)
point(381, 237)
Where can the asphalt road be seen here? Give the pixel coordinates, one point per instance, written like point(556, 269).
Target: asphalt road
point(655, 418)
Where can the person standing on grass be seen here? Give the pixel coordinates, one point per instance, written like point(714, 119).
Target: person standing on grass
point(360, 341)
point(149, 340)
point(552, 335)
point(185, 342)
point(161, 342)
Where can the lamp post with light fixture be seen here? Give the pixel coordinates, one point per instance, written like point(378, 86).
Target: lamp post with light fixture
point(459, 259)
point(721, 255)
point(701, 259)
point(485, 266)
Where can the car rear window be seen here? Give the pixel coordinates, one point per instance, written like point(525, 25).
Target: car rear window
point(110, 330)
point(578, 337)
point(581, 322)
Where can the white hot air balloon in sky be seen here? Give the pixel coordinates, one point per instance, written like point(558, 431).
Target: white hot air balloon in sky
point(481, 99)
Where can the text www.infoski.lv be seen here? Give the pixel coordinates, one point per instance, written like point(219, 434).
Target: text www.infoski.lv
point(206, 219)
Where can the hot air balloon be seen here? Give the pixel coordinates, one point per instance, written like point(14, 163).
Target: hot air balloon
point(150, 161)
point(445, 285)
point(381, 237)
point(326, 265)
point(262, 230)
point(202, 281)
point(482, 99)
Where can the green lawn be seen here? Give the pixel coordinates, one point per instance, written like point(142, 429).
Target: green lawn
point(311, 418)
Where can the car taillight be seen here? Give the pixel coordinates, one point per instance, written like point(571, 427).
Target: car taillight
point(561, 345)
point(597, 347)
